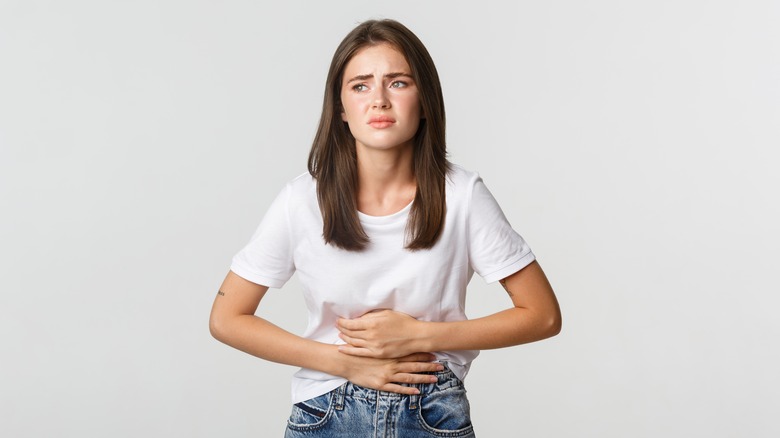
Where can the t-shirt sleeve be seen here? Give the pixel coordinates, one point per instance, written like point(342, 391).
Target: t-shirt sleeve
point(267, 258)
point(496, 250)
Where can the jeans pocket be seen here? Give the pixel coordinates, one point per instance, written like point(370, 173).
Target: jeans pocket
point(310, 414)
point(446, 413)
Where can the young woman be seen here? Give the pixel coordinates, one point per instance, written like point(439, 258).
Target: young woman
point(385, 235)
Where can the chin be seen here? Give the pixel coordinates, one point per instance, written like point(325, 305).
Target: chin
point(378, 142)
point(385, 145)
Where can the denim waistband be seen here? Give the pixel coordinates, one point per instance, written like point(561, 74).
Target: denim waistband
point(446, 379)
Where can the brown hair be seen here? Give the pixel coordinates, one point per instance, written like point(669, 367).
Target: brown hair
point(333, 158)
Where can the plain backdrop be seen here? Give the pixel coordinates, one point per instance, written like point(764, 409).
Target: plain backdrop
point(633, 144)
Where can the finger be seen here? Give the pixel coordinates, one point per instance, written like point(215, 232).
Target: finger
point(352, 333)
point(350, 340)
point(350, 324)
point(355, 342)
point(374, 313)
point(418, 367)
point(399, 389)
point(412, 378)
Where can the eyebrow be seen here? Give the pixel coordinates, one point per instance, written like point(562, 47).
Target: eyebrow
point(389, 76)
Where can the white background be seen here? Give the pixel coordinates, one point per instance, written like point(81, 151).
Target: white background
point(633, 144)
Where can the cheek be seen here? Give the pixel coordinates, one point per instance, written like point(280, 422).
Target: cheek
point(350, 106)
point(414, 105)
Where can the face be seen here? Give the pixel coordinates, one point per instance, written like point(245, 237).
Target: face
point(380, 99)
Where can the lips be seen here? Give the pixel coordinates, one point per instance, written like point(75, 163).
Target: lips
point(380, 122)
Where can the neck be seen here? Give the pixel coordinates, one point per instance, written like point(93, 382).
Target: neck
point(386, 182)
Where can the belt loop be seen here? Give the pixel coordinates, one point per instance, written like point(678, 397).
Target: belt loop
point(338, 402)
point(413, 399)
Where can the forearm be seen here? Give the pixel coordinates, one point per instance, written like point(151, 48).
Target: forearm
point(263, 339)
point(234, 323)
point(534, 315)
point(388, 333)
point(509, 327)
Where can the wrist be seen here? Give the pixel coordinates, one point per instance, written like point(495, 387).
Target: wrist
point(343, 364)
point(426, 339)
point(329, 360)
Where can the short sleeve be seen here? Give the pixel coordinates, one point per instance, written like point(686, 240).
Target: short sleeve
point(267, 258)
point(496, 250)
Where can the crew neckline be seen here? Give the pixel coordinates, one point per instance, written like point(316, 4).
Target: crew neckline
point(388, 219)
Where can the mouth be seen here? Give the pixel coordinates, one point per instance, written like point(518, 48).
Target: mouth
point(380, 122)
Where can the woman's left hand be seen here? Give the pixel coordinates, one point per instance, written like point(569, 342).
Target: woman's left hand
point(380, 334)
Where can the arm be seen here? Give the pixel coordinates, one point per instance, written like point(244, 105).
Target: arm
point(535, 315)
point(234, 323)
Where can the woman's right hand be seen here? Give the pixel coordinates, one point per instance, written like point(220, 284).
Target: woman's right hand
point(389, 374)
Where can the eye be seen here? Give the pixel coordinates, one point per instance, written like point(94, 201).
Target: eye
point(359, 87)
point(399, 84)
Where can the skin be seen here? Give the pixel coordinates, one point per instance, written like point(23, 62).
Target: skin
point(234, 323)
point(377, 82)
point(534, 315)
point(384, 347)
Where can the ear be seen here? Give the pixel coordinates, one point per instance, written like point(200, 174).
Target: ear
point(340, 108)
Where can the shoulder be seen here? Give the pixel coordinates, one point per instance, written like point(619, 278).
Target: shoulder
point(460, 189)
point(461, 183)
point(466, 189)
point(297, 192)
point(460, 177)
point(303, 181)
point(300, 187)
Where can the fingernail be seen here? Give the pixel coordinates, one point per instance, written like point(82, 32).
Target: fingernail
point(434, 379)
point(440, 368)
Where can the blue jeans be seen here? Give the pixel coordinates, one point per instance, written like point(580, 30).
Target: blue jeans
point(440, 410)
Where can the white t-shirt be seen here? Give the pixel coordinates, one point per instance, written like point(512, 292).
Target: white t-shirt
point(429, 285)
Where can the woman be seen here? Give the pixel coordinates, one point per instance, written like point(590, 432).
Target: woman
point(384, 234)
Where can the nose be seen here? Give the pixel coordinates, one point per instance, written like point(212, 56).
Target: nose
point(380, 99)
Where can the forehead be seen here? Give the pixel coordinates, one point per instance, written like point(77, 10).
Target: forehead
point(376, 59)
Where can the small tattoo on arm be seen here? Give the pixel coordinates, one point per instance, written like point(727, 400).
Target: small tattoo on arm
point(219, 292)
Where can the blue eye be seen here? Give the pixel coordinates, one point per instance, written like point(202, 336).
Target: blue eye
point(359, 87)
point(398, 84)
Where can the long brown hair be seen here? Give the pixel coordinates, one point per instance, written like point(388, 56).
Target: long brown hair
point(333, 158)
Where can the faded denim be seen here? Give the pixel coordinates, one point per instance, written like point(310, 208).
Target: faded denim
point(440, 410)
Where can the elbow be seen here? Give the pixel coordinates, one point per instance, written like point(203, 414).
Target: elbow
point(553, 324)
point(547, 324)
point(217, 327)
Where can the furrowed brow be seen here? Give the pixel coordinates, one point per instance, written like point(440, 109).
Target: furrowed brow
point(360, 78)
point(397, 75)
point(389, 76)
